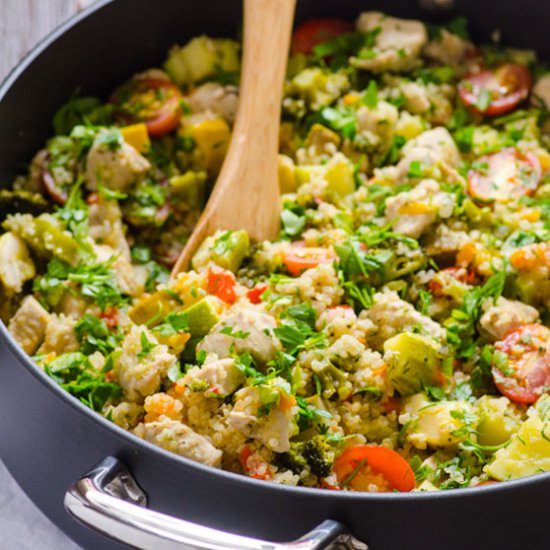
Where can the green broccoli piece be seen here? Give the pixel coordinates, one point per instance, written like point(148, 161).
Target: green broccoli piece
point(317, 453)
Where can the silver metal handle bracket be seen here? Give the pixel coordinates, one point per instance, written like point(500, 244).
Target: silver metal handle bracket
point(109, 500)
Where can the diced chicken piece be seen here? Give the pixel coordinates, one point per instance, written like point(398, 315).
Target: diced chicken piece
point(446, 242)
point(74, 305)
point(246, 330)
point(430, 100)
point(500, 318)
point(125, 414)
point(130, 280)
point(541, 91)
point(274, 429)
point(222, 376)
point(105, 221)
point(431, 147)
point(179, 438)
point(115, 168)
point(397, 44)
point(221, 100)
point(16, 265)
point(414, 211)
point(392, 315)
point(448, 48)
point(377, 125)
point(60, 336)
point(28, 325)
point(140, 371)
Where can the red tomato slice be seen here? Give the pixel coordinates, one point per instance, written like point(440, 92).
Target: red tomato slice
point(153, 101)
point(527, 376)
point(222, 284)
point(503, 176)
point(363, 465)
point(255, 294)
point(300, 258)
point(495, 92)
point(307, 35)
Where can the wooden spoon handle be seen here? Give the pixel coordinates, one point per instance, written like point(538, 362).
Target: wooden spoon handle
point(246, 194)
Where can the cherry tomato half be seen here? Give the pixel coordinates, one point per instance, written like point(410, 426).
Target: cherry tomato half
point(301, 258)
point(527, 376)
point(154, 101)
point(495, 92)
point(361, 466)
point(503, 176)
point(307, 35)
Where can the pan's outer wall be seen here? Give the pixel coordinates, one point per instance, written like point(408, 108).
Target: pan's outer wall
point(47, 442)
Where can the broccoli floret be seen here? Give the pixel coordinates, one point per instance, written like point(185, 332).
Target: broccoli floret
point(317, 453)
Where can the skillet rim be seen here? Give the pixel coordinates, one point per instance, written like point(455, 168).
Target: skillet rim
point(191, 466)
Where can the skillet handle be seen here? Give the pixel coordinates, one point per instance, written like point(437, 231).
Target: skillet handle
point(109, 500)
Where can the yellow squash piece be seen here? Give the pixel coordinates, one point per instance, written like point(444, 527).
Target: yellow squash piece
point(136, 135)
point(529, 451)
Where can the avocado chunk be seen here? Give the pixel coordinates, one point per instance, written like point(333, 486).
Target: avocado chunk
point(413, 361)
point(151, 309)
point(202, 57)
point(45, 236)
point(189, 188)
point(497, 420)
point(529, 451)
point(202, 316)
point(227, 249)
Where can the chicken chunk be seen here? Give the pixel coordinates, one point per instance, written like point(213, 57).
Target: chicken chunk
point(430, 147)
point(222, 376)
point(105, 221)
point(141, 366)
point(128, 278)
point(16, 265)
point(246, 330)
point(392, 315)
point(397, 44)
point(28, 325)
point(221, 100)
point(179, 438)
point(115, 167)
point(500, 318)
point(273, 429)
point(448, 48)
point(413, 212)
point(541, 91)
point(60, 336)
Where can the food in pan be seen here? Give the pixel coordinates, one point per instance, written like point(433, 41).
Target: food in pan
point(394, 338)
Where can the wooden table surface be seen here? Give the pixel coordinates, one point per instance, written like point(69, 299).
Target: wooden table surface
point(22, 24)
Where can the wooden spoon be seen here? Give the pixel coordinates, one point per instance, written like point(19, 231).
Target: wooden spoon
point(246, 195)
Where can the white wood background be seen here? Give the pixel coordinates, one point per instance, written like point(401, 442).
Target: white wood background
point(22, 24)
